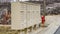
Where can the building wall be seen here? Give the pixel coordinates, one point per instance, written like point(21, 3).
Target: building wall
point(24, 15)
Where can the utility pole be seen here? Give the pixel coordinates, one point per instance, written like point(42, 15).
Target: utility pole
point(44, 13)
point(44, 7)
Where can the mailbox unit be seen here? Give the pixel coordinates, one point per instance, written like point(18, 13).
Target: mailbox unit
point(24, 14)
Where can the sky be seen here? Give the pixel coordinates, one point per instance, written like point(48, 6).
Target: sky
point(15, 0)
point(11, 0)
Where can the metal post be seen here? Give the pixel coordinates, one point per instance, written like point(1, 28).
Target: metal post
point(44, 7)
point(44, 13)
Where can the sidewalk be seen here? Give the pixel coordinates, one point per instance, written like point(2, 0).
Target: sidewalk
point(37, 31)
point(50, 29)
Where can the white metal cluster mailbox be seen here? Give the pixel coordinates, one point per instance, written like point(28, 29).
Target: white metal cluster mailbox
point(24, 14)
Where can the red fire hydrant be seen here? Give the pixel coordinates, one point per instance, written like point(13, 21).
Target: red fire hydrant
point(43, 19)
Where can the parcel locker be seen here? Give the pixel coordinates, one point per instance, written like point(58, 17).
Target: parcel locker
point(24, 14)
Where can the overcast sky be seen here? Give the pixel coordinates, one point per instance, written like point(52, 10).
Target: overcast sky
point(16, 0)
